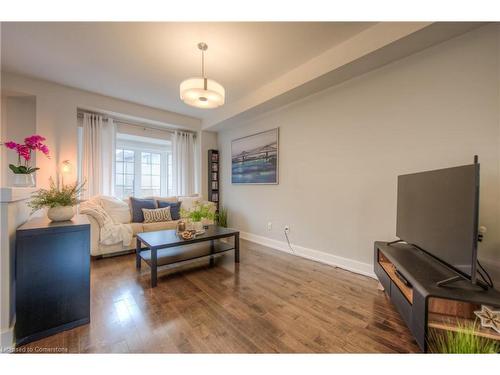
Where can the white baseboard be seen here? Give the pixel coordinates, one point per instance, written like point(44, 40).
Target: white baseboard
point(7, 341)
point(316, 255)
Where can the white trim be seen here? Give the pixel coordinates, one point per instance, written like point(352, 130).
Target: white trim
point(14, 194)
point(7, 341)
point(352, 265)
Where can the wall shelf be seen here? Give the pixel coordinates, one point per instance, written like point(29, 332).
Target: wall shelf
point(213, 177)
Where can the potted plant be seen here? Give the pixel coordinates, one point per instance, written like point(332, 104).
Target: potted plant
point(464, 340)
point(221, 217)
point(59, 200)
point(199, 212)
point(23, 171)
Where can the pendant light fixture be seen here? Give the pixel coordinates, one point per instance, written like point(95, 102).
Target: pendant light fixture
point(202, 92)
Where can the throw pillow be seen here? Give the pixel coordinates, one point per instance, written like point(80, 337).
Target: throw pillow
point(137, 205)
point(188, 203)
point(156, 215)
point(116, 208)
point(175, 208)
point(165, 199)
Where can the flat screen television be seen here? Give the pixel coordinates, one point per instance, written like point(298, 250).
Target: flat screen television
point(437, 211)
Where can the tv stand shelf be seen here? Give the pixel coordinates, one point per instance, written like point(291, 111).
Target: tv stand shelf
point(447, 323)
point(422, 303)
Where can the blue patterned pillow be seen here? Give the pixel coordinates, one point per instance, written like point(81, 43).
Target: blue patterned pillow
point(175, 208)
point(137, 206)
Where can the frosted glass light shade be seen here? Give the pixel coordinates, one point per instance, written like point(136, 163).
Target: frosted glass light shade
point(193, 93)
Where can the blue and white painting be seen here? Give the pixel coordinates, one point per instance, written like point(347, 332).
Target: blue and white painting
point(254, 159)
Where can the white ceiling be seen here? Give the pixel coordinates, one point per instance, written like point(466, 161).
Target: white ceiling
point(145, 62)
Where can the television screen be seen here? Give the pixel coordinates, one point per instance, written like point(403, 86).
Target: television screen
point(437, 211)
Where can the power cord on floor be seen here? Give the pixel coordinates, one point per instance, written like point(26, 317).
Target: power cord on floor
point(288, 241)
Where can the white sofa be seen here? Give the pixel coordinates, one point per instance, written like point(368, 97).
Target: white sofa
point(116, 215)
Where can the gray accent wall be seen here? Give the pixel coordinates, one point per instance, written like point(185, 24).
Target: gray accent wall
point(342, 149)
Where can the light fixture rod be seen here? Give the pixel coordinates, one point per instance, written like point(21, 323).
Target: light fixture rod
point(202, 46)
point(203, 64)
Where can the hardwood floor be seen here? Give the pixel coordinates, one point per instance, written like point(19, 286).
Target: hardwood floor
point(271, 302)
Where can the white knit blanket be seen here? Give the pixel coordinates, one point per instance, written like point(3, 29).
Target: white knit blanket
point(110, 232)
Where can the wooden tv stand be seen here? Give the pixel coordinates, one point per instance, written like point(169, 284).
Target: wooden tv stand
point(409, 277)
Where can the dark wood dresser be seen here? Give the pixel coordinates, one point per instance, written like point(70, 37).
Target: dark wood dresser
point(52, 280)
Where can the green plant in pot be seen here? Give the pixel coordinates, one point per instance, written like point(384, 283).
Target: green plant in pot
point(464, 340)
point(221, 217)
point(23, 171)
point(199, 212)
point(60, 201)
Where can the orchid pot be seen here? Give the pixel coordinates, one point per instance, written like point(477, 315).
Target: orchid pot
point(24, 180)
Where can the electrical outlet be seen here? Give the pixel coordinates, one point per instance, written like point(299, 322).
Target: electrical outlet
point(269, 226)
point(287, 229)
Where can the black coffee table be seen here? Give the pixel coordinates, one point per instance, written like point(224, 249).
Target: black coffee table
point(165, 247)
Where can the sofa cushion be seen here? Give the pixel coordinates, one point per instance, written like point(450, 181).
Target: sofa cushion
point(156, 215)
point(136, 228)
point(188, 203)
point(151, 227)
point(116, 208)
point(137, 204)
point(175, 208)
point(165, 199)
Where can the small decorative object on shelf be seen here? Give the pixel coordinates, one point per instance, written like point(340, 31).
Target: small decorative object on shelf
point(489, 318)
point(181, 226)
point(187, 234)
point(59, 200)
point(23, 171)
point(213, 179)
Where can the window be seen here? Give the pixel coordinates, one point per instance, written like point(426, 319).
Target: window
point(150, 173)
point(124, 172)
point(143, 167)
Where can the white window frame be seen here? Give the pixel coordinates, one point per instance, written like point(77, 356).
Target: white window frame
point(139, 147)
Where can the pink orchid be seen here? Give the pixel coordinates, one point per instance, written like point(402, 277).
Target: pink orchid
point(44, 149)
point(32, 143)
point(24, 151)
point(10, 144)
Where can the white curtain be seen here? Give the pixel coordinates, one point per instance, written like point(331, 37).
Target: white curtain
point(183, 163)
point(98, 155)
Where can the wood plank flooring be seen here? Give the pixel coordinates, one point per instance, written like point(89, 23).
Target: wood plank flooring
point(271, 302)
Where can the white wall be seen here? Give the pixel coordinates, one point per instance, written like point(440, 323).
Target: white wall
point(342, 149)
point(56, 117)
point(20, 118)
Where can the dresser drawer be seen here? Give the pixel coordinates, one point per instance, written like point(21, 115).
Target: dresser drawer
point(384, 280)
point(401, 303)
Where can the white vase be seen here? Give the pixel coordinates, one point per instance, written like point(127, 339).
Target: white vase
point(24, 180)
point(61, 213)
point(197, 226)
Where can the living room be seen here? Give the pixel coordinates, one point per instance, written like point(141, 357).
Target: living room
point(250, 187)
